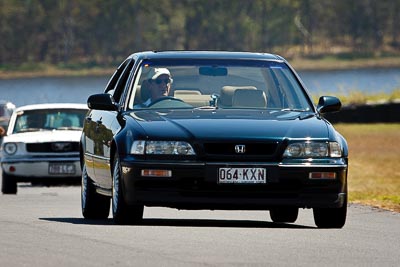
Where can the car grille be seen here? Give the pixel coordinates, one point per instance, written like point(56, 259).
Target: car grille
point(249, 149)
point(53, 147)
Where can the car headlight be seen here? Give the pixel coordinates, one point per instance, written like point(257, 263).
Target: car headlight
point(141, 147)
point(10, 148)
point(313, 150)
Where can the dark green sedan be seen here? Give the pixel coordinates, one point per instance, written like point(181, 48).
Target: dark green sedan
point(211, 130)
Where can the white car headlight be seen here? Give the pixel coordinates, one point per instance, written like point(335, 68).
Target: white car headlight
point(10, 148)
point(313, 150)
point(141, 147)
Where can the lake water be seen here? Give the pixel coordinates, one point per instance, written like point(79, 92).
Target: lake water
point(345, 81)
point(77, 89)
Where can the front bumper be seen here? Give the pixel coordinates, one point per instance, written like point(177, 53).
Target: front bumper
point(195, 186)
point(31, 168)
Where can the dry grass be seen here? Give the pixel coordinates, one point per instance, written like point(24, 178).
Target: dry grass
point(333, 63)
point(374, 156)
point(327, 61)
point(43, 70)
point(357, 97)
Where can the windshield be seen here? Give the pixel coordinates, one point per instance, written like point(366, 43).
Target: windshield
point(225, 84)
point(49, 119)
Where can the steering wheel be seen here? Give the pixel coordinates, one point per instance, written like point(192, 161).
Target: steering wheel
point(165, 98)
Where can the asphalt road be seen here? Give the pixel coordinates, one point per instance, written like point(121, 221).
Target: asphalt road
point(43, 226)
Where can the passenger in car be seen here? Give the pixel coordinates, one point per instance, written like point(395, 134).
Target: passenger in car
point(35, 121)
point(66, 122)
point(159, 84)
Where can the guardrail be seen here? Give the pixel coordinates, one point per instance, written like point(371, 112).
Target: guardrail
point(368, 113)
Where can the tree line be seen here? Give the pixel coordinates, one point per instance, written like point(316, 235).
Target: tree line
point(100, 32)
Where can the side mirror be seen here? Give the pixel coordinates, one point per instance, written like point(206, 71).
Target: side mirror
point(328, 104)
point(102, 102)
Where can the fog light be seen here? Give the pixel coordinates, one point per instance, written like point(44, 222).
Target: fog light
point(322, 175)
point(156, 173)
point(12, 169)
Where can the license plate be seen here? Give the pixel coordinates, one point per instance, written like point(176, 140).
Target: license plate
point(62, 168)
point(242, 175)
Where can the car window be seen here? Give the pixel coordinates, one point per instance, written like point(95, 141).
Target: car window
point(118, 81)
point(45, 119)
point(122, 81)
point(225, 84)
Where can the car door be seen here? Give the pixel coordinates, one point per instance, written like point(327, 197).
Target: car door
point(88, 136)
point(106, 127)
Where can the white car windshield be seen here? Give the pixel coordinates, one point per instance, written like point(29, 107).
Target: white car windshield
point(49, 119)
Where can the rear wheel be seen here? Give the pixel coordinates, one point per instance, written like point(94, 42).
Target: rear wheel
point(284, 214)
point(330, 217)
point(122, 212)
point(9, 184)
point(94, 205)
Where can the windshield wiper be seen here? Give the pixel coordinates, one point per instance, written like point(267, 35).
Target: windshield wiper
point(205, 108)
point(307, 113)
point(69, 128)
point(294, 109)
point(31, 130)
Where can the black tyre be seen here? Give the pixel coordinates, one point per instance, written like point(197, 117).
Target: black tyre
point(9, 184)
point(284, 214)
point(94, 205)
point(122, 212)
point(330, 217)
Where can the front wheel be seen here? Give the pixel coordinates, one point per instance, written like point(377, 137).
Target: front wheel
point(284, 214)
point(94, 205)
point(122, 212)
point(330, 217)
point(9, 184)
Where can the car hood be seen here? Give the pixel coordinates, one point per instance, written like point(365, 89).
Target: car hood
point(229, 124)
point(45, 136)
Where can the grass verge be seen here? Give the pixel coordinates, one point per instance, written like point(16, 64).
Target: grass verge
point(47, 70)
point(336, 63)
point(374, 155)
point(322, 62)
point(357, 97)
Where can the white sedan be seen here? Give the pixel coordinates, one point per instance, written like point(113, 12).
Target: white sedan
point(42, 144)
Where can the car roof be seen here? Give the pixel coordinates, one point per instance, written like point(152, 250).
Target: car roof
point(206, 55)
point(53, 106)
